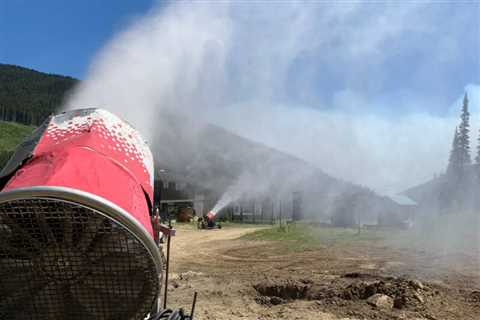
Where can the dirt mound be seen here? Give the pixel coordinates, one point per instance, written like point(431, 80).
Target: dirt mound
point(405, 293)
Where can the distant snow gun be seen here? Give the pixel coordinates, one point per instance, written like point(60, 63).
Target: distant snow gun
point(207, 221)
point(78, 237)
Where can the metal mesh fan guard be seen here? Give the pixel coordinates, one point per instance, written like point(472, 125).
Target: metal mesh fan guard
point(60, 259)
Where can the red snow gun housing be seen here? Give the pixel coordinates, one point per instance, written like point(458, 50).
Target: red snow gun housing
point(76, 239)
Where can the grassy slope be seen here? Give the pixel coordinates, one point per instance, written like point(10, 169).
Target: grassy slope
point(11, 134)
point(304, 237)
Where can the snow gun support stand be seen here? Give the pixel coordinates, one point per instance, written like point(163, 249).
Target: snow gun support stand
point(164, 313)
point(208, 222)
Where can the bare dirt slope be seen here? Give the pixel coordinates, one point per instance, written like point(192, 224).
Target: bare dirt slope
point(244, 279)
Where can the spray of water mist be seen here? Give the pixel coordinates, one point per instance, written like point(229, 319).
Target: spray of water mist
point(237, 190)
point(186, 66)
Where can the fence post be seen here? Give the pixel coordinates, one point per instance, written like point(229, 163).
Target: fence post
point(280, 212)
point(261, 214)
point(272, 220)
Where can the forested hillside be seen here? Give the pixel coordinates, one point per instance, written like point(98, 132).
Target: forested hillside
point(28, 96)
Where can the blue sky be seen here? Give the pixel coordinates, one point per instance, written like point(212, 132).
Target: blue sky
point(59, 36)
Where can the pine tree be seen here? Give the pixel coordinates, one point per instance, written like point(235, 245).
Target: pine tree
point(464, 138)
point(454, 162)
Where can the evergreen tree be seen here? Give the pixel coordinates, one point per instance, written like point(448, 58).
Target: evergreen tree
point(458, 185)
point(463, 136)
point(454, 163)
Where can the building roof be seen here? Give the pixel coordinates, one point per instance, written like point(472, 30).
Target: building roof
point(402, 200)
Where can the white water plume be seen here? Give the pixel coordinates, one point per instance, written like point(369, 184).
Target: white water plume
point(240, 188)
point(235, 65)
point(226, 199)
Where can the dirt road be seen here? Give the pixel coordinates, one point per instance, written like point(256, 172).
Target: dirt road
point(230, 273)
